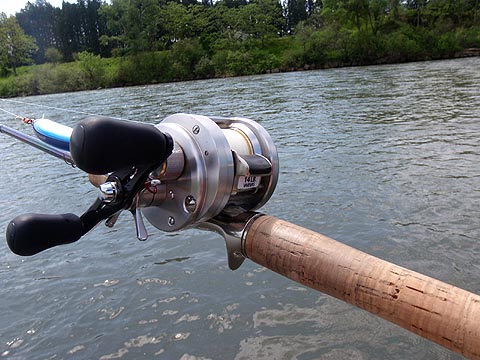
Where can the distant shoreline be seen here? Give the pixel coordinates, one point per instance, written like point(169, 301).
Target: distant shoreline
point(47, 69)
point(471, 52)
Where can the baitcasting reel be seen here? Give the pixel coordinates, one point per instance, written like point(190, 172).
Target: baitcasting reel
point(187, 171)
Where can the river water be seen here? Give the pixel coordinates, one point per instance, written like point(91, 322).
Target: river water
point(384, 158)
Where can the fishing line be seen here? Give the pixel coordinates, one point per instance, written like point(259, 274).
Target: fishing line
point(10, 113)
point(53, 108)
point(16, 116)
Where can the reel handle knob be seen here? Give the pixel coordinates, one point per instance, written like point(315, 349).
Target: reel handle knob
point(100, 145)
point(30, 234)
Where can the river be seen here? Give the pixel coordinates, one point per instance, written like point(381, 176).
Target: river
point(383, 158)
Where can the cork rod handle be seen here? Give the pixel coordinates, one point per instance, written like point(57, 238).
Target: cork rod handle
point(430, 308)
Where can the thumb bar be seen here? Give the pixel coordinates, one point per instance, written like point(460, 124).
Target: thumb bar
point(430, 308)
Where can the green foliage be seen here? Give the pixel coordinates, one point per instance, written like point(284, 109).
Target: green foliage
point(244, 62)
point(468, 38)
point(158, 41)
point(363, 47)
point(92, 69)
point(145, 68)
point(400, 46)
point(446, 46)
point(48, 79)
point(229, 63)
point(11, 87)
point(205, 69)
point(53, 55)
point(261, 19)
point(16, 48)
point(40, 20)
point(176, 20)
point(186, 55)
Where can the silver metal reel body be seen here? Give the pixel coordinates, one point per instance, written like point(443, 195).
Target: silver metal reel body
point(219, 166)
point(207, 173)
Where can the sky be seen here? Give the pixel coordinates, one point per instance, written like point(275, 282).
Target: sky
point(10, 7)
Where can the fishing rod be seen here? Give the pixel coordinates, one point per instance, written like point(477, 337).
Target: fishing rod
point(212, 173)
point(39, 144)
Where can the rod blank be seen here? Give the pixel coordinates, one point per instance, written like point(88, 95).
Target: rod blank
point(39, 144)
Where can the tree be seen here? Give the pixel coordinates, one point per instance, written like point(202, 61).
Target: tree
point(92, 69)
point(417, 8)
point(296, 11)
point(16, 48)
point(93, 25)
point(132, 26)
point(39, 20)
point(377, 14)
point(71, 35)
point(393, 8)
point(53, 56)
point(260, 19)
point(176, 20)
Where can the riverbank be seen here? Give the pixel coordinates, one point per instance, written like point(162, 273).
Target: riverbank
point(466, 53)
point(111, 47)
point(190, 62)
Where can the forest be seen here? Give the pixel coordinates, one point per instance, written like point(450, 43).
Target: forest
point(93, 44)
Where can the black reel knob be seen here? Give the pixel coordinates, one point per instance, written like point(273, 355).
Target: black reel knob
point(30, 234)
point(100, 145)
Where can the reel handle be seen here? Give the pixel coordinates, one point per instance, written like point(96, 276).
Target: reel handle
point(100, 145)
point(30, 234)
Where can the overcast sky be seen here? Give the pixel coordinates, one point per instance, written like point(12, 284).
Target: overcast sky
point(10, 7)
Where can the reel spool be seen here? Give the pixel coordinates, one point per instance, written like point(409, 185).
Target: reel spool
point(218, 165)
